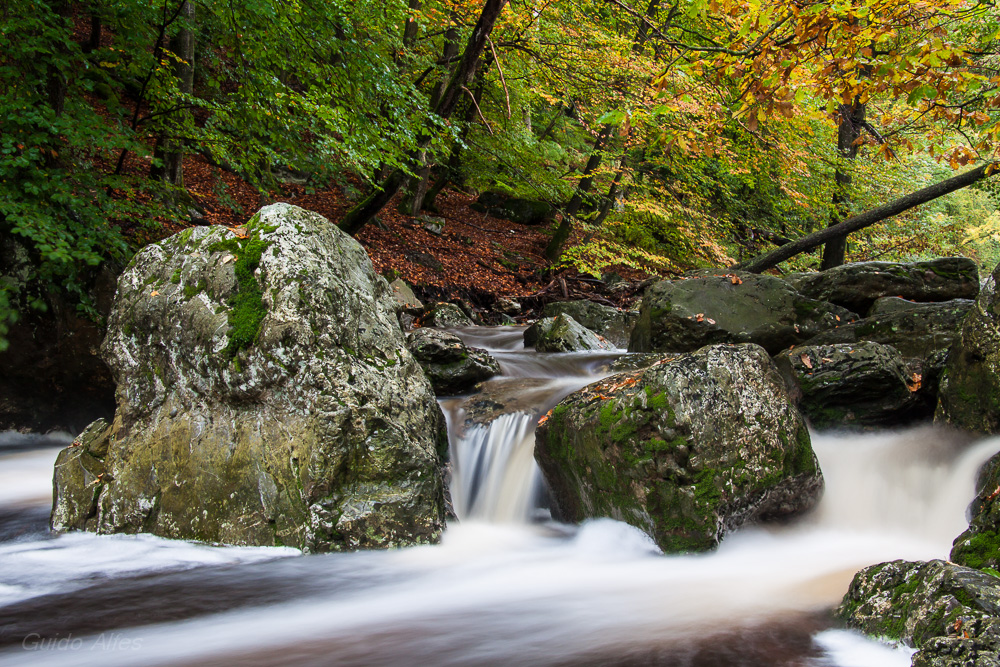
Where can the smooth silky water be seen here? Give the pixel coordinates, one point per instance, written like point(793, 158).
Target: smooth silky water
point(505, 586)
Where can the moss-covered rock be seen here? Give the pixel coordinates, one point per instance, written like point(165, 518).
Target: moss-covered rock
point(563, 334)
point(686, 314)
point(686, 450)
point(947, 611)
point(451, 367)
point(265, 396)
point(612, 324)
point(863, 384)
point(969, 393)
point(857, 286)
point(445, 315)
point(521, 211)
point(979, 545)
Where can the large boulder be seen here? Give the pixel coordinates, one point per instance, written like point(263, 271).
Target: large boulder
point(445, 315)
point(857, 286)
point(969, 392)
point(686, 450)
point(686, 314)
point(563, 334)
point(52, 377)
point(863, 384)
point(451, 367)
point(979, 545)
point(613, 324)
point(265, 396)
point(947, 611)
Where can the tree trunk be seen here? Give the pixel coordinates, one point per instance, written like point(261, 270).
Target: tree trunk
point(169, 149)
point(555, 247)
point(852, 118)
point(866, 219)
point(365, 210)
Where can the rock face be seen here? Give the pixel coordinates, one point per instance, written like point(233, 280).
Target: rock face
point(948, 611)
point(451, 367)
point(444, 315)
point(864, 384)
point(563, 334)
point(686, 450)
point(969, 394)
point(684, 315)
point(979, 545)
point(265, 396)
point(52, 376)
point(613, 324)
point(857, 286)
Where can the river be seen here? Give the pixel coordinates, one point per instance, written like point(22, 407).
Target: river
point(506, 586)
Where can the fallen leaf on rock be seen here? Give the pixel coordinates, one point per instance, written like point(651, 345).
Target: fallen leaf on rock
point(806, 361)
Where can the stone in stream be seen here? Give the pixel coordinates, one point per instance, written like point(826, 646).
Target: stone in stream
point(687, 449)
point(613, 324)
point(857, 286)
point(969, 393)
point(686, 314)
point(264, 396)
point(563, 334)
point(451, 367)
point(443, 315)
point(862, 384)
point(949, 612)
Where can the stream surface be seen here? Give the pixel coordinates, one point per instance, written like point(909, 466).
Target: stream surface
point(506, 586)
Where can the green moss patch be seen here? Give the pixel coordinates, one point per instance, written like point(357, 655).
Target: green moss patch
point(246, 306)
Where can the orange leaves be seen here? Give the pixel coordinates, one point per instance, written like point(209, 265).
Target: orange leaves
point(914, 382)
point(806, 361)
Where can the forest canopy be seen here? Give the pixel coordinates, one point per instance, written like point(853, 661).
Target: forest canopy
point(671, 134)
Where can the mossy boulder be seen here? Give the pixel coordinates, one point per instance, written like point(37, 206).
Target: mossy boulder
point(857, 286)
point(451, 367)
point(515, 209)
point(863, 384)
point(969, 392)
point(686, 314)
point(612, 324)
point(947, 611)
point(979, 545)
point(686, 450)
point(264, 396)
point(445, 315)
point(563, 334)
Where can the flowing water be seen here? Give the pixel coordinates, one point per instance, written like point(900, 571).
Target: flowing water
point(506, 586)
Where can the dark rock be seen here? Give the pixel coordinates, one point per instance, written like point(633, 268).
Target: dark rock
point(613, 324)
point(891, 304)
point(521, 211)
point(52, 377)
point(947, 611)
point(969, 393)
point(857, 286)
point(445, 315)
point(686, 450)
point(683, 315)
point(864, 384)
point(979, 545)
point(636, 361)
point(507, 306)
point(406, 300)
point(451, 367)
point(563, 334)
point(265, 396)
point(501, 396)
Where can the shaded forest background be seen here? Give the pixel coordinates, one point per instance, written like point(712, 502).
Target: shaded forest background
point(661, 136)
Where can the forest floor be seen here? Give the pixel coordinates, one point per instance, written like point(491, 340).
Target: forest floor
point(472, 256)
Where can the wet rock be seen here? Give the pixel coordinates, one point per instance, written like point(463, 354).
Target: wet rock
point(891, 304)
point(636, 361)
point(863, 384)
point(52, 377)
point(501, 396)
point(265, 396)
point(969, 393)
point(507, 306)
point(451, 367)
point(563, 334)
point(979, 545)
point(857, 286)
point(947, 611)
point(613, 324)
point(686, 450)
point(684, 315)
point(406, 300)
point(444, 315)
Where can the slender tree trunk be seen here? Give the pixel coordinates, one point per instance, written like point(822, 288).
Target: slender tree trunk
point(361, 214)
point(450, 171)
point(169, 149)
point(852, 118)
point(810, 241)
point(555, 247)
point(552, 123)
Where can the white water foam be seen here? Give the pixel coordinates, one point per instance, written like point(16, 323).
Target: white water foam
point(26, 477)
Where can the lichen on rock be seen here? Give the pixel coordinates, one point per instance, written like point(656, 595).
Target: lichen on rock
point(265, 396)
